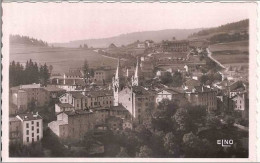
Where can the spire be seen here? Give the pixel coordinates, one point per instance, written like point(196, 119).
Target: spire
point(117, 69)
point(135, 78)
point(137, 69)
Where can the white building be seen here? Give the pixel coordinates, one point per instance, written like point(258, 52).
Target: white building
point(32, 127)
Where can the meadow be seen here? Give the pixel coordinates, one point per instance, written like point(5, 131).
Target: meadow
point(62, 59)
point(231, 53)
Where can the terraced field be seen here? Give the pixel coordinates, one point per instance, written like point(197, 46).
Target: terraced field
point(231, 53)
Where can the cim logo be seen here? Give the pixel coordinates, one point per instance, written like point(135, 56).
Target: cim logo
point(225, 143)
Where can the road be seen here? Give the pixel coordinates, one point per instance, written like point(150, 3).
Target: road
point(213, 59)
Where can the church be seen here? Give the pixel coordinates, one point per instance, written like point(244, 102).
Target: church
point(131, 94)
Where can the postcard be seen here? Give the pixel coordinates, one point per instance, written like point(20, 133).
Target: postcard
point(129, 82)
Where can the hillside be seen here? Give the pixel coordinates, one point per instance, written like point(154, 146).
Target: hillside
point(236, 31)
point(125, 39)
point(62, 59)
point(17, 39)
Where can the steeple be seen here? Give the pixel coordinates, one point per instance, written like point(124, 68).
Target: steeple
point(135, 78)
point(117, 83)
point(117, 75)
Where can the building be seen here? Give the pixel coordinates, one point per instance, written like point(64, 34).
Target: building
point(54, 92)
point(62, 107)
point(76, 99)
point(135, 98)
point(32, 94)
point(100, 98)
point(103, 75)
point(73, 124)
point(203, 96)
point(15, 132)
point(31, 127)
point(170, 94)
point(175, 46)
point(238, 102)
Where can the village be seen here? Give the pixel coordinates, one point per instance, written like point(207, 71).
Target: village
point(151, 84)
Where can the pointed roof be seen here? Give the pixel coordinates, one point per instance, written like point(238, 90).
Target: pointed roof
point(117, 75)
point(137, 70)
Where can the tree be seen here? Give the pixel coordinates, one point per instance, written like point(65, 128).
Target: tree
point(122, 153)
point(212, 121)
point(166, 78)
point(170, 144)
point(182, 120)
point(86, 70)
point(177, 79)
point(85, 46)
point(145, 151)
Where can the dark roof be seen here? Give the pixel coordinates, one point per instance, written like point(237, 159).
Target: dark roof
point(52, 88)
point(29, 116)
point(100, 93)
point(77, 95)
point(78, 112)
point(203, 89)
point(65, 105)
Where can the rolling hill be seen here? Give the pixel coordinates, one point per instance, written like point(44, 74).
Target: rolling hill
point(129, 38)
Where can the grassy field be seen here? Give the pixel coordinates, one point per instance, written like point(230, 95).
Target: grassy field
point(231, 53)
point(62, 59)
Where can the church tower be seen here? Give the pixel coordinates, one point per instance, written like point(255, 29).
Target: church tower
point(136, 77)
point(116, 84)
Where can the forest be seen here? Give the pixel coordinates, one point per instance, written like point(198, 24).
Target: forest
point(28, 74)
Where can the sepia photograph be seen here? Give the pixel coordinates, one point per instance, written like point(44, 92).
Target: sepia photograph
point(169, 81)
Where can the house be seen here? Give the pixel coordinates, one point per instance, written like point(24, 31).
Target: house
point(203, 96)
point(25, 95)
point(31, 127)
point(170, 94)
point(100, 98)
point(73, 124)
point(15, 132)
point(103, 75)
point(61, 107)
point(76, 99)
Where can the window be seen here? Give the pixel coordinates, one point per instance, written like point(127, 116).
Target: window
point(38, 124)
point(38, 130)
point(27, 125)
point(32, 139)
point(32, 134)
point(32, 128)
point(32, 122)
point(27, 132)
point(27, 139)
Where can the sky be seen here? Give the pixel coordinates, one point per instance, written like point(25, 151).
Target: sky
point(64, 22)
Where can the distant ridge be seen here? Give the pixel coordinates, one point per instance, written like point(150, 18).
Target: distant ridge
point(129, 38)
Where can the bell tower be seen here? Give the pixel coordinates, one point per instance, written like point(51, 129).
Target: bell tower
point(116, 84)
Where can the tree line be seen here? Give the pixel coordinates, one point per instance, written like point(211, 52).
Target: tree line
point(17, 39)
point(28, 74)
point(243, 24)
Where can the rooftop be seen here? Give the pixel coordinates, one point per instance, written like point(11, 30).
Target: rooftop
point(29, 116)
point(52, 88)
point(13, 119)
point(78, 112)
point(77, 95)
point(65, 105)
